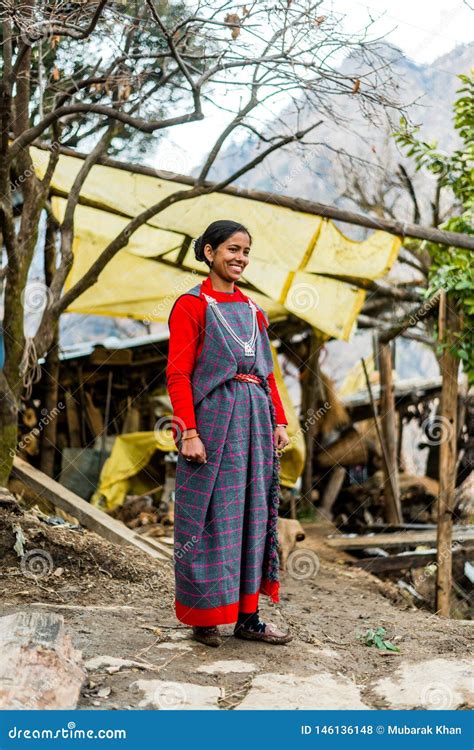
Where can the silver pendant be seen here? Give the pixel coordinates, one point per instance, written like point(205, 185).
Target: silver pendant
point(249, 351)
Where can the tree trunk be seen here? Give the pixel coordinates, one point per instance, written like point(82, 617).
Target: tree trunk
point(49, 432)
point(8, 429)
point(51, 367)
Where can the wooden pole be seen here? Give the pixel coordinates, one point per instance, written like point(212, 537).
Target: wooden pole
point(389, 431)
point(398, 228)
point(293, 513)
point(391, 512)
point(313, 397)
point(449, 324)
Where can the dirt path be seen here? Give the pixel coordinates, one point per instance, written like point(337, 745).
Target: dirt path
point(119, 607)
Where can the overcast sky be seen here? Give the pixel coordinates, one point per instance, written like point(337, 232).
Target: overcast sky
point(423, 29)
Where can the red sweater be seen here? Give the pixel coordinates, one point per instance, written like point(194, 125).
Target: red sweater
point(187, 329)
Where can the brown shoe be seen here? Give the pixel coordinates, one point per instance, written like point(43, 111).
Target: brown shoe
point(209, 636)
point(270, 634)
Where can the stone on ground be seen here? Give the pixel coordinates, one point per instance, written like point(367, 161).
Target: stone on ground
point(438, 684)
point(175, 696)
point(318, 691)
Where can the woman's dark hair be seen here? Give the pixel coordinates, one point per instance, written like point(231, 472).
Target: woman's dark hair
point(215, 234)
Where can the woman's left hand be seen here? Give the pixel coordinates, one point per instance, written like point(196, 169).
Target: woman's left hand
point(281, 438)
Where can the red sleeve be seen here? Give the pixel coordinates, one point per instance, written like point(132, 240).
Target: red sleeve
point(279, 411)
point(185, 325)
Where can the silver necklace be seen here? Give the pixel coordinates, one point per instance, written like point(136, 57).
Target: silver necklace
point(249, 345)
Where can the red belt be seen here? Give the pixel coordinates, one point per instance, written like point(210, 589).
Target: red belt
point(247, 377)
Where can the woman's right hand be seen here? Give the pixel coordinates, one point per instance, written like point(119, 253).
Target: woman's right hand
point(193, 448)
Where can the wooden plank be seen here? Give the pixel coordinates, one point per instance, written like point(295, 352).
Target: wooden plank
point(94, 416)
point(388, 527)
point(102, 355)
point(332, 490)
point(87, 515)
point(73, 421)
point(464, 535)
point(401, 388)
point(448, 327)
point(402, 562)
point(39, 668)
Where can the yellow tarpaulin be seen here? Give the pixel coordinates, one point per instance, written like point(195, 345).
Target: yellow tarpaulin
point(293, 256)
point(292, 251)
point(132, 452)
point(355, 378)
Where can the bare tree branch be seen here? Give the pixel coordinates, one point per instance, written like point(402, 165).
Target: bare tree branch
point(418, 315)
point(385, 327)
point(407, 181)
point(28, 136)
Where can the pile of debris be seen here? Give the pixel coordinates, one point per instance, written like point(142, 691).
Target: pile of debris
point(148, 518)
point(50, 559)
point(406, 554)
point(388, 517)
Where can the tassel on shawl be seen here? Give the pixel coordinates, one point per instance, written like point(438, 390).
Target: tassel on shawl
point(271, 561)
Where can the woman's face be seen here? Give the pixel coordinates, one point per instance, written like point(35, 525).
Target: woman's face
point(231, 257)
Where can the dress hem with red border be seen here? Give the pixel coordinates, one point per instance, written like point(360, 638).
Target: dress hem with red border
point(199, 617)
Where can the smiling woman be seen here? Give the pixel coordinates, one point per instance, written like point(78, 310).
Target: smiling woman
point(229, 425)
point(233, 242)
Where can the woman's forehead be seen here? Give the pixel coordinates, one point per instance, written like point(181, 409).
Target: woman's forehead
point(240, 238)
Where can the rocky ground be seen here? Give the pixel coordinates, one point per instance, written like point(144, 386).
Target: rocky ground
point(118, 610)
